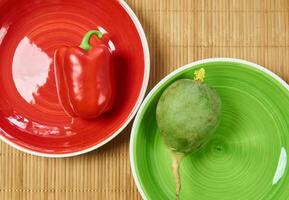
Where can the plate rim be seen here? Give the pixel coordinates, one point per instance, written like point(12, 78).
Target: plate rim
point(144, 86)
point(170, 75)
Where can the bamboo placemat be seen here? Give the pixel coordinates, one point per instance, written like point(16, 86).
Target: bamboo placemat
point(178, 32)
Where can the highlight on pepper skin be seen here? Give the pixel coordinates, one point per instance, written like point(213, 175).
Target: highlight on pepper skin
point(85, 79)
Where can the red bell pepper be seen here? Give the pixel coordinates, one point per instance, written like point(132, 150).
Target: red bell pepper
point(85, 78)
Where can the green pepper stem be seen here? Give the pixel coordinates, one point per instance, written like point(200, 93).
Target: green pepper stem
point(86, 38)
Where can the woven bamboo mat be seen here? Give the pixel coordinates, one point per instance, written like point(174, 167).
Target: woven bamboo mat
point(178, 31)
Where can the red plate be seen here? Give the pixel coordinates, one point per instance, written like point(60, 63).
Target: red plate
point(31, 118)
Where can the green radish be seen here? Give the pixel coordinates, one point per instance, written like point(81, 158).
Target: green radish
point(187, 114)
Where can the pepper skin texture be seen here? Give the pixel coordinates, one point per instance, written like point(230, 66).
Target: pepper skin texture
point(85, 78)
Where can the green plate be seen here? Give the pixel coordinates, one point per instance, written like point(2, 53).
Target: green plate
point(245, 160)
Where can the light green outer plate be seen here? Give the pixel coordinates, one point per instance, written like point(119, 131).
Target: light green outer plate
point(245, 160)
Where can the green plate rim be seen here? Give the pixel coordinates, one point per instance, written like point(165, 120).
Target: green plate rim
point(164, 80)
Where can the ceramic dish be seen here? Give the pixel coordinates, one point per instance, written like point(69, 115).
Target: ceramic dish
point(31, 118)
point(245, 160)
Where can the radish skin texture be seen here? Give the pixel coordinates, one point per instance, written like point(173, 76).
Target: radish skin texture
point(187, 114)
